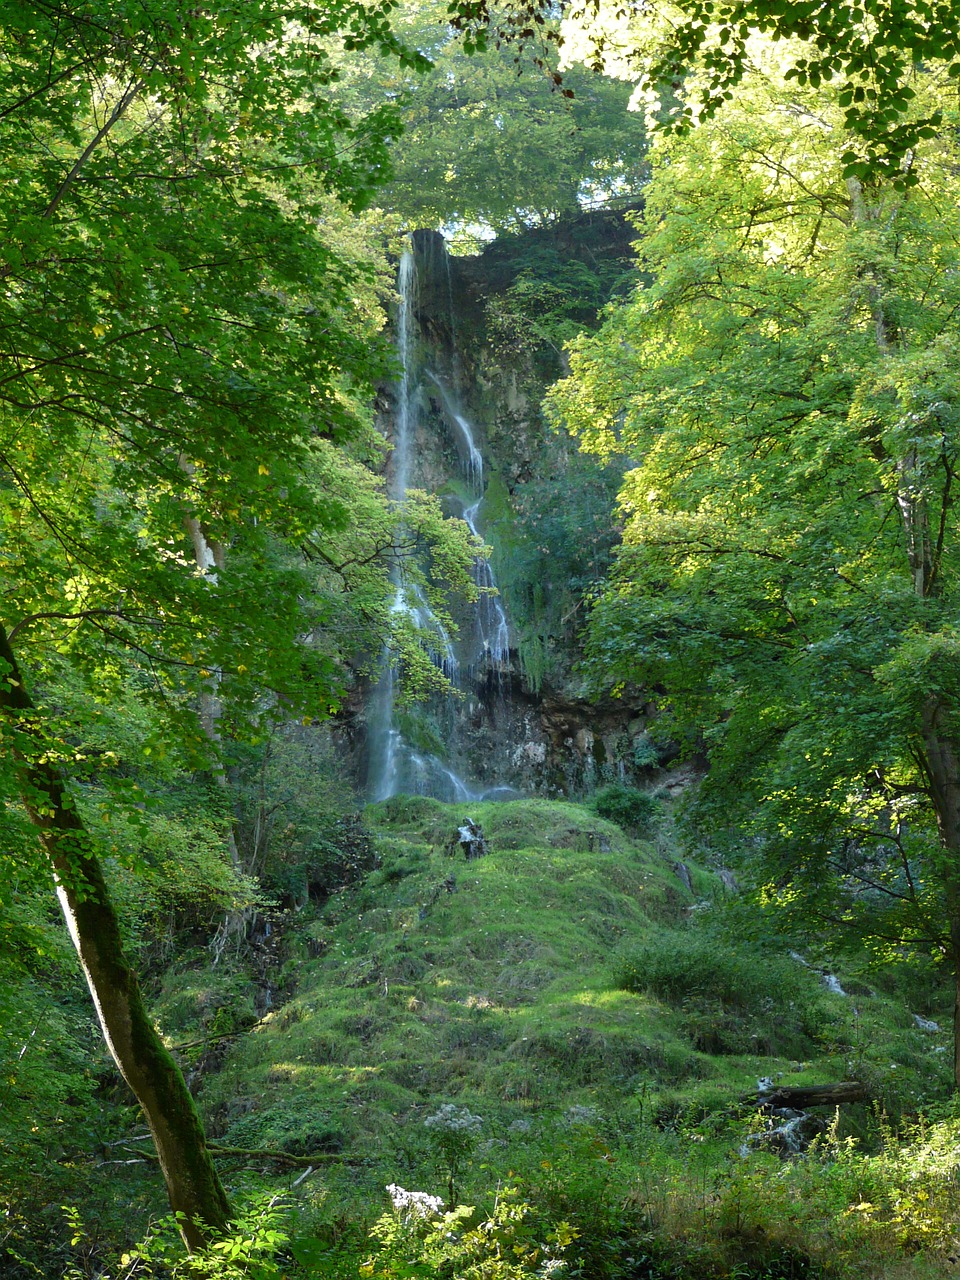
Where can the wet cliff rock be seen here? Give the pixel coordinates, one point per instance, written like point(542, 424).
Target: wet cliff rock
point(484, 347)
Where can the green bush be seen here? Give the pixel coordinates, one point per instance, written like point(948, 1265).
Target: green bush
point(511, 1243)
point(627, 806)
point(684, 964)
point(732, 1001)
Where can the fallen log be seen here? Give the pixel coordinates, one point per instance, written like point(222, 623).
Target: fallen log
point(254, 1153)
point(799, 1097)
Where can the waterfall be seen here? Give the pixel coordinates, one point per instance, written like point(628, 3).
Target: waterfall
point(471, 457)
point(406, 336)
point(394, 764)
point(491, 619)
point(391, 761)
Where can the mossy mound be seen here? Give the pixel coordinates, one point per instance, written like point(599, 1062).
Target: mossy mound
point(596, 1010)
point(565, 968)
point(487, 979)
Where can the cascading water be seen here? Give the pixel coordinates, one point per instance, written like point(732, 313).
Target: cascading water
point(494, 632)
point(391, 762)
point(463, 410)
point(491, 619)
point(394, 766)
point(472, 459)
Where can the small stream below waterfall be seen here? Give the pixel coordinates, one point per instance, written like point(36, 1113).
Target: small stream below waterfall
point(395, 765)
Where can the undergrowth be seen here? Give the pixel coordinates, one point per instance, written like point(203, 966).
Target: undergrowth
point(554, 1051)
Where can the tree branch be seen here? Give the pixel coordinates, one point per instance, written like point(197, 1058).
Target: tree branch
point(95, 141)
point(68, 617)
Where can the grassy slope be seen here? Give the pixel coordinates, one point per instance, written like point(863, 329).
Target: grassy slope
point(492, 984)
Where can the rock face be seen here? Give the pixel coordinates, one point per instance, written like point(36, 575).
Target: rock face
point(475, 373)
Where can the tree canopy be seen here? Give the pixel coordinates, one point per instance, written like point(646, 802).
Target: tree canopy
point(188, 352)
point(485, 140)
point(786, 382)
point(870, 48)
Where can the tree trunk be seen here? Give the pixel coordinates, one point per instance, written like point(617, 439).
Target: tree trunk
point(799, 1097)
point(193, 1185)
point(943, 771)
point(210, 558)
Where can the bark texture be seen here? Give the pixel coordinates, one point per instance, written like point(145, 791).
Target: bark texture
point(193, 1185)
point(800, 1097)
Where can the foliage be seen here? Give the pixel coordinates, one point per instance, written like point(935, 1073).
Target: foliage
point(554, 543)
point(786, 386)
point(299, 829)
point(48, 1070)
point(497, 995)
point(191, 342)
point(870, 49)
point(487, 141)
point(505, 1245)
point(187, 504)
point(253, 1247)
point(732, 995)
point(453, 1135)
point(550, 301)
point(627, 806)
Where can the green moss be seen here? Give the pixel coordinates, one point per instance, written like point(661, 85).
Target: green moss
point(420, 732)
point(488, 981)
point(495, 984)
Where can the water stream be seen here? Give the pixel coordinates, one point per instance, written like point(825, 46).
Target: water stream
point(471, 458)
point(394, 765)
point(491, 619)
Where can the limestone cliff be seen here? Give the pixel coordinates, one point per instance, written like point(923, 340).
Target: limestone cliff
point(487, 342)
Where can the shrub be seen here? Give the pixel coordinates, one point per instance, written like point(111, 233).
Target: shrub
point(627, 806)
point(681, 964)
point(733, 1001)
point(509, 1244)
point(453, 1135)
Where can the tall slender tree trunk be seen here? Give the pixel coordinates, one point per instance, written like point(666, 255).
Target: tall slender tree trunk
point(194, 1188)
point(210, 558)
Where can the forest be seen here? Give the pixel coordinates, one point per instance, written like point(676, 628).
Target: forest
point(480, 652)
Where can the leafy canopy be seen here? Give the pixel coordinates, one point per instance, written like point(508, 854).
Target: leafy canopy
point(870, 48)
point(487, 141)
point(786, 384)
point(189, 342)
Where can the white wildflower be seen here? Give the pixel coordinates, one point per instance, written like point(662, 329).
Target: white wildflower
point(416, 1204)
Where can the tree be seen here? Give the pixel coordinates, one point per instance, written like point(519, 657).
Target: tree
point(487, 141)
point(196, 1193)
point(872, 48)
point(184, 361)
point(787, 385)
